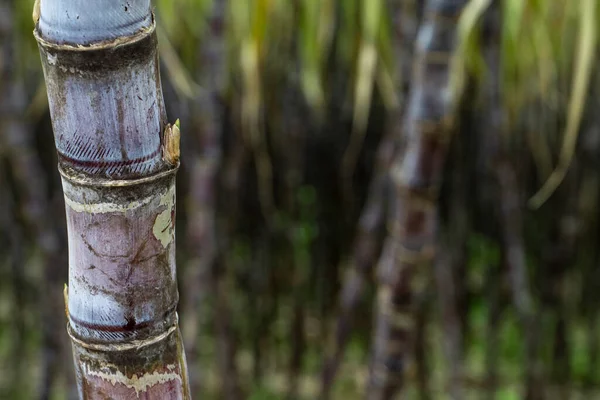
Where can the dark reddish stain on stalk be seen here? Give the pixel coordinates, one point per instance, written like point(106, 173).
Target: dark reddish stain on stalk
point(172, 227)
point(130, 325)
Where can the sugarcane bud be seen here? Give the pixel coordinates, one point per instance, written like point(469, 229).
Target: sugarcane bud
point(171, 143)
point(36, 11)
point(66, 297)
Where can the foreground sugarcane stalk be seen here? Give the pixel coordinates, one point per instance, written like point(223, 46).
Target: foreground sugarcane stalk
point(117, 159)
point(417, 174)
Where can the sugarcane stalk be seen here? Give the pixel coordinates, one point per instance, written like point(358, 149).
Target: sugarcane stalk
point(405, 23)
point(514, 248)
point(201, 234)
point(449, 268)
point(228, 214)
point(17, 261)
point(510, 208)
point(366, 250)
point(117, 160)
point(588, 199)
point(30, 185)
point(367, 243)
point(417, 174)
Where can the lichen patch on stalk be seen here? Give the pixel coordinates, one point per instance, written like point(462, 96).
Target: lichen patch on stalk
point(163, 228)
point(111, 374)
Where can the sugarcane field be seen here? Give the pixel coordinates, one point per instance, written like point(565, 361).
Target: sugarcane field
point(300, 199)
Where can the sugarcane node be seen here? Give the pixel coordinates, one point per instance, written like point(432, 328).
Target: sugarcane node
point(119, 347)
point(420, 199)
point(418, 230)
point(401, 320)
point(80, 179)
point(426, 56)
point(412, 259)
point(442, 18)
point(404, 187)
point(424, 201)
point(395, 346)
point(416, 224)
point(410, 256)
point(437, 130)
point(94, 56)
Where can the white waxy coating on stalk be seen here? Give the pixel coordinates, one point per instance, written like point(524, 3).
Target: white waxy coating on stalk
point(139, 384)
point(100, 305)
point(88, 21)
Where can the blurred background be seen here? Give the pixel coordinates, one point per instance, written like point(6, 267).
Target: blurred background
point(293, 116)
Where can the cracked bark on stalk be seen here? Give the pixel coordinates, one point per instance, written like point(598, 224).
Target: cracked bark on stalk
point(417, 173)
point(100, 64)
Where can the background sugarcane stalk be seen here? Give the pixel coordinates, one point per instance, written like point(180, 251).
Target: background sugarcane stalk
point(201, 231)
point(118, 175)
point(15, 243)
point(408, 250)
point(367, 243)
point(366, 250)
point(11, 106)
point(449, 265)
point(511, 204)
point(27, 172)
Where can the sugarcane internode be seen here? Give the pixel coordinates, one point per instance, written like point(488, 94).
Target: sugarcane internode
point(118, 175)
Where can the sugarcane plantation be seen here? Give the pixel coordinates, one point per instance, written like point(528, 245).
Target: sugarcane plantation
point(307, 199)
